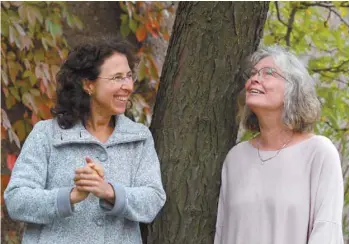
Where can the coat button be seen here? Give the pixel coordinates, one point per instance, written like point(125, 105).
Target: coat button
point(100, 222)
point(103, 157)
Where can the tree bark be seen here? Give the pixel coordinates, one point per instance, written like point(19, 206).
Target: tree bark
point(194, 123)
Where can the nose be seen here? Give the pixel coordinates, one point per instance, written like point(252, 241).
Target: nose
point(253, 80)
point(127, 85)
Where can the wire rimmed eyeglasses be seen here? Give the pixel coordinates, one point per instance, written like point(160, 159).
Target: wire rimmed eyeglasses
point(121, 79)
point(263, 73)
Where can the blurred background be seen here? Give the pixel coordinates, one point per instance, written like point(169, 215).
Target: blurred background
point(36, 37)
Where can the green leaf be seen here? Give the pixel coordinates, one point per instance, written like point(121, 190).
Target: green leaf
point(22, 11)
point(124, 19)
point(4, 77)
point(14, 92)
point(55, 29)
point(31, 76)
point(35, 92)
point(39, 55)
point(4, 24)
point(77, 22)
point(142, 70)
point(125, 30)
point(19, 128)
point(10, 101)
point(13, 36)
point(268, 40)
point(133, 25)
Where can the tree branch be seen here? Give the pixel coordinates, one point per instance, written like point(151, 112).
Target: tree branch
point(345, 4)
point(156, 10)
point(290, 26)
point(333, 69)
point(327, 6)
point(278, 13)
point(345, 129)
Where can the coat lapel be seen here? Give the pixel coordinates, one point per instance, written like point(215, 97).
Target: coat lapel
point(125, 131)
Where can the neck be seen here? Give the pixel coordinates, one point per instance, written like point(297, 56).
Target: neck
point(273, 133)
point(98, 120)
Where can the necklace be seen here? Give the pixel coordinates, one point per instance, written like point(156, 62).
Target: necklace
point(277, 153)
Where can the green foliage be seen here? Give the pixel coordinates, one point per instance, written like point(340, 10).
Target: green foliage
point(318, 32)
point(32, 47)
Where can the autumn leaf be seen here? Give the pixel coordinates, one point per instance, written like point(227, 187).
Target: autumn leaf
point(10, 161)
point(141, 33)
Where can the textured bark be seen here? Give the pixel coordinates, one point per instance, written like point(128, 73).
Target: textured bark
point(194, 123)
point(98, 18)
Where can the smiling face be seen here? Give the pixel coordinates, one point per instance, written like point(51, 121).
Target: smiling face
point(111, 90)
point(265, 91)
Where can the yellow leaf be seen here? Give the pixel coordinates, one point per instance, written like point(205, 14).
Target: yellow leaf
point(343, 11)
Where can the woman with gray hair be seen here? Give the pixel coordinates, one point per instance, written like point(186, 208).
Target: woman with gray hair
point(285, 185)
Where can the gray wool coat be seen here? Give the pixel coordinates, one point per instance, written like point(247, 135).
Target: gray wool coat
point(42, 179)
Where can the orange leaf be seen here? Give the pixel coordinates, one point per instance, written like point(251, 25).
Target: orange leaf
point(166, 36)
point(10, 161)
point(3, 133)
point(45, 111)
point(35, 119)
point(141, 33)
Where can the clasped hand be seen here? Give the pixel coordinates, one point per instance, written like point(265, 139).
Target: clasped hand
point(90, 179)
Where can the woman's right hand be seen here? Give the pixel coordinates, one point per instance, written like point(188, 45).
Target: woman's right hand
point(77, 196)
point(92, 167)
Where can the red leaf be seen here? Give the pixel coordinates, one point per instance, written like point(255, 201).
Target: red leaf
point(4, 182)
point(141, 33)
point(35, 118)
point(11, 160)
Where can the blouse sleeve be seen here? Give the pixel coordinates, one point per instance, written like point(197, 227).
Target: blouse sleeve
point(328, 200)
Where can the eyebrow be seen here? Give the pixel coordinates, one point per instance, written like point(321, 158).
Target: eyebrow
point(120, 73)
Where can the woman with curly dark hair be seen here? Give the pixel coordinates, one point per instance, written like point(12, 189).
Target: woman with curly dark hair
point(89, 175)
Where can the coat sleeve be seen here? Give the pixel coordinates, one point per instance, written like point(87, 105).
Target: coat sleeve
point(25, 197)
point(220, 212)
point(146, 197)
point(328, 205)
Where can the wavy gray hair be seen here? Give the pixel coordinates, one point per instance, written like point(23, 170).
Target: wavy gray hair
point(301, 105)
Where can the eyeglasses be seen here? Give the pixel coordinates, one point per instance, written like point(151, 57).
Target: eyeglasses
point(264, 73)
point(120, 79)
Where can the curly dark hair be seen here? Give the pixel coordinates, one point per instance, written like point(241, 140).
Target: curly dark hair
point(84, 62)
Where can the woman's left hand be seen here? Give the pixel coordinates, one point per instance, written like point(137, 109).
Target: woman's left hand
point(87, 180)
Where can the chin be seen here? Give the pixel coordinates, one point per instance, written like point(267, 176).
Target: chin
point(119, 111)
point(255, 105)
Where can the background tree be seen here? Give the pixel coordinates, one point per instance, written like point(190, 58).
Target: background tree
point(35, 37)
point(194, 123)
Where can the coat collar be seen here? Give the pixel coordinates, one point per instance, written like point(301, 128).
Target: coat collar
point(125, 131)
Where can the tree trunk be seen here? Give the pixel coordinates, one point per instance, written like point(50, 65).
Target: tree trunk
point(194, 123)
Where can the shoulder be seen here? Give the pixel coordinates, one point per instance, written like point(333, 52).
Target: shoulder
point(126, 125)
point(325, 155)
point(43, 127)
point(239, 150)
point(323, 146)
point(39, 135)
